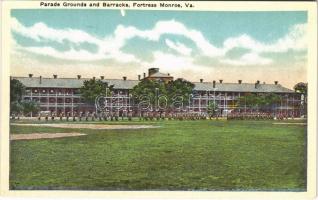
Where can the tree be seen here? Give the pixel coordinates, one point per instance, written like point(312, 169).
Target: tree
point(213, 108)
point(180, 87)
point(29, 107)
point(301, 88)
point(17, 89)
point(259, 101)
point(148, 89)
point(15, 107)
point(93, 88)
point(249, 100)
point(266, 101)
point(272, 100)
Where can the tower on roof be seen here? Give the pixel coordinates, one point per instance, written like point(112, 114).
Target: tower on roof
point(155, 75)
point(152, 71)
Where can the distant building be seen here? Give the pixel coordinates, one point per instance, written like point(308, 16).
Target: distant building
point(63, 95)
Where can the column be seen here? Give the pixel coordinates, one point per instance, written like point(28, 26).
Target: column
point(56, 101)
point(64, 101)
point(72, 98)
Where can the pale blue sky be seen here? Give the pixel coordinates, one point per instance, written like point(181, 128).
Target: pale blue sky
point(215, 43)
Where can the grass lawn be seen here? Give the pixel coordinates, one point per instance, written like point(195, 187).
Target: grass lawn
point(180, 155)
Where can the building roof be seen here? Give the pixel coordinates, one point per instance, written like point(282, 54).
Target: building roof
point(160, 75)
point(243, 87)
point(72, 82)
point(129, 84)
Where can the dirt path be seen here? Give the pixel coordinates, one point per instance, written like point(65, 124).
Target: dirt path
point(90, 126)
point(34, 136)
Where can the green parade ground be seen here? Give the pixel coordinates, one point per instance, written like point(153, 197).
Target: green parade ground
point(174, 155)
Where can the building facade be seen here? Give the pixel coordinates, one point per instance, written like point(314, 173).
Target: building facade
point(62, 95)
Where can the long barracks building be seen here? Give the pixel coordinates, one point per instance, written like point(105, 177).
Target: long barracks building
point(63, 94)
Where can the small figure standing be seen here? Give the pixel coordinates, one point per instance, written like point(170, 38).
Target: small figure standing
point(74, 116)
point(52, 116)
point(67, 116)
point(80, 116)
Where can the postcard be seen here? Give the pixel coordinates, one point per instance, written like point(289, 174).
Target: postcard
point(136, 99)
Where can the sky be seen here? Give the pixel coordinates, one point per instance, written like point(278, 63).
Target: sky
point(249, 46)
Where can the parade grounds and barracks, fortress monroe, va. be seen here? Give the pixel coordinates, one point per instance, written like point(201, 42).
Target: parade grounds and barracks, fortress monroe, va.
point(159, 100)
point(115, 4)
point(61, 96)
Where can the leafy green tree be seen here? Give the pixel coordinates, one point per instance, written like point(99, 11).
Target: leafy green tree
point(301, 88)
point(267, 101)
point(249, 99)
point(29, 107)
point(180, 87)
point(17, 89)
point(259, 101)
point(16, 107)
point(150, 89)
point(213, 108)
point(93, 88)
point(272, 100)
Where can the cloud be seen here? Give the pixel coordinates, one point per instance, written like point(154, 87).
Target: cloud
point(171, 61)
point(41, 32)
point(110, 46)
point(178, 47)
point(175, 63)
point(295, 39)
point(171, 27)
point(248, 59)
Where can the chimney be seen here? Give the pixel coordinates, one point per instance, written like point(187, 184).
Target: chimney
point(54, 76)
point(201, 80)
point(221, 81)
point(168, 74)
point(30, 75)
point(213, 84)
point(102, 77)
point(240, 81)
point(144, 75)
point(256, 84)
point(276, 82)
point(139, 77)
point(125, 78)
point(40, 79)
point(79, 76)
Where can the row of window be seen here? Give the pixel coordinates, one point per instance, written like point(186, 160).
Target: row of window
point(51, 91)
point(53, 100)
